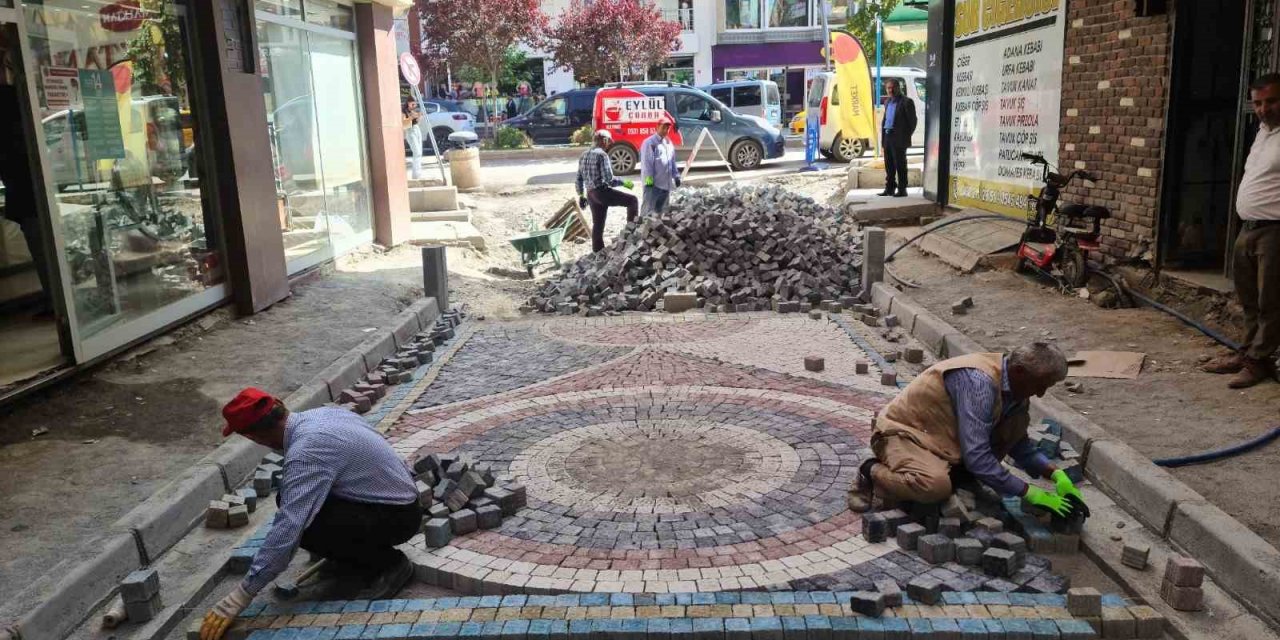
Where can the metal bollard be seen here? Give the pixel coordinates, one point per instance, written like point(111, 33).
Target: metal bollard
point(435, 275)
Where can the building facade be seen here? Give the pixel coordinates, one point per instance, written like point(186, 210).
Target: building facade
point(1152, 99)
point(170, 156)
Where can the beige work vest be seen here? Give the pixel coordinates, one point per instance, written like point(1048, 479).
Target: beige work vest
point(923, 412)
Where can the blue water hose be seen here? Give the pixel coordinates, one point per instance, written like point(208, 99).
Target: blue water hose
point(1218, 454)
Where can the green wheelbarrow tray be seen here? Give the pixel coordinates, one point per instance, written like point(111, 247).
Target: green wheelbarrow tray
point(536, 244)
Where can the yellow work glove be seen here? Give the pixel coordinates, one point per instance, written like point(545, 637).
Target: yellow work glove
point(648, 182)
point(220, 616)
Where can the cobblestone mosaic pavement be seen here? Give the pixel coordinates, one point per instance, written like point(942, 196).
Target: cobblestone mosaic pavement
point(675, 455)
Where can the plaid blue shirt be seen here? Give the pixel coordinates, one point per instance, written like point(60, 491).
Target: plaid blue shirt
point(594, 171)
point(973, 396)
point(327, 451)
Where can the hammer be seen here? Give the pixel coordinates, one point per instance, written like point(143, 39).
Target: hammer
point(289, 590)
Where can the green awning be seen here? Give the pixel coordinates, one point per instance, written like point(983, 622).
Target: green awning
point(906, 15)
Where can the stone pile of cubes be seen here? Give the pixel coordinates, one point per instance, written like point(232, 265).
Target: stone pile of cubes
point(461, 496)
point(232, 510)
point(733, 248)
point(140, 592)
point(398, 368)
point(1181, 586)
point(1047, 436)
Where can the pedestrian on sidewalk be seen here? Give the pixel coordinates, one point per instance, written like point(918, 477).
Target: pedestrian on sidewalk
point(413, 135)
point(899, 126)
point(955, 422)
point(595, 185)
point(345, 496)
point(658, 169)
point(1256, 265)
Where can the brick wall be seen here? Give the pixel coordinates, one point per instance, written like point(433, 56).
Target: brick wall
point(1115, 81)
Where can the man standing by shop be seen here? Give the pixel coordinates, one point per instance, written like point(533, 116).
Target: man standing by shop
point(345, 496)
point(658, 169)
point(1257, 250)
point(899, 126)
point(595, 186)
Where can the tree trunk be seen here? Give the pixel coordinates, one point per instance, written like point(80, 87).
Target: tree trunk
point(493, 75)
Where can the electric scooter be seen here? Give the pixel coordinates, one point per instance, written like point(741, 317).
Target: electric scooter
point(1057, 239)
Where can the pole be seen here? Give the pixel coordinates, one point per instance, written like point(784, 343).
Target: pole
point(879, 58)
point(826, 36)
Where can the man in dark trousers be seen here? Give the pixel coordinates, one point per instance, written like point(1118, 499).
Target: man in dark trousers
point(595, 185)
point(899, 125)
point(345, 496)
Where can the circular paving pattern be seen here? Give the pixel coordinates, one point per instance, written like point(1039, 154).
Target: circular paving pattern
point(648, 332)
point(658, 489)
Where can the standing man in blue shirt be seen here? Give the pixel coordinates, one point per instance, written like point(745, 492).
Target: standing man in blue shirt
point(899, 126)
point(658, 169)
point(344, 496)
point(960, 418)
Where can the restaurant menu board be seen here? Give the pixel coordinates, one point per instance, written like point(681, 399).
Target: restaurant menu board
point(1007, 90)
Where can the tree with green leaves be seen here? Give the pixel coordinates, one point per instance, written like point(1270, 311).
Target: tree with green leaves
point(862, 24)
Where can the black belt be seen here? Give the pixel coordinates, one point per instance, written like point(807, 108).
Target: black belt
point(1250, 225)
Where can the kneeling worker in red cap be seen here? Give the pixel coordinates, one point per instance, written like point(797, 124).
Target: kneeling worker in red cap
point(344, 496)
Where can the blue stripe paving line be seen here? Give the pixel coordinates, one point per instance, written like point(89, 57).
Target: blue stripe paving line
point(866, 346)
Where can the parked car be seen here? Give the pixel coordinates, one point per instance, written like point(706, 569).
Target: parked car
point(797, 123)
point(444, 118)
point(750, 97)
point(632, 111)
point(825, 95)
point(554, 120)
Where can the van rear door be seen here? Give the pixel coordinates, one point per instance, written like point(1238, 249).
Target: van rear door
point(773, 104)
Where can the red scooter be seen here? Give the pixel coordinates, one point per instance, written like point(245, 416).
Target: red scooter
point(1057, 239)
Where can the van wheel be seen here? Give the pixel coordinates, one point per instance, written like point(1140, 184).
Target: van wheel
point(745, 154)
point(845, 150)
point(623, 158)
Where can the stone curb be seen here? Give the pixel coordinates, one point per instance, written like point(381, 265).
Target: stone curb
point(75, 587)
point(1238, 559)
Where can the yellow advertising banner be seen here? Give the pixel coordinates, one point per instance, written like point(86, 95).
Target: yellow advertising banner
point(997, 197)
point(854, 92)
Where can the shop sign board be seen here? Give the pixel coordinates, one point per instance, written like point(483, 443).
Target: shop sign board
point(59, 86)
point(122, 16)
point(101, 115)
point(1006, 94)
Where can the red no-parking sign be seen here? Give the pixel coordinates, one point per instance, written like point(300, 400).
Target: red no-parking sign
point(409, 68)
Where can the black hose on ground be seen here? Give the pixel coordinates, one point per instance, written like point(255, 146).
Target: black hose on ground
point(1219, 454)
point(1223, 340)
point(945, 223)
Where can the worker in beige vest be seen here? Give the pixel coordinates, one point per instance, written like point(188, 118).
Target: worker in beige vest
point(962, 417)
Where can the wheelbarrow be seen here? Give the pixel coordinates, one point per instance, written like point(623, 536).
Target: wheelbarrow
point(539, 243)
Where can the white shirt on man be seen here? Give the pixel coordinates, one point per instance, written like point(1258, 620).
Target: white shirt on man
point(1259, 195)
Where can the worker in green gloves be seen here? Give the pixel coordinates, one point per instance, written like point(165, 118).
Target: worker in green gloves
point(659, 170)
point(595, 186)
point(960, 418)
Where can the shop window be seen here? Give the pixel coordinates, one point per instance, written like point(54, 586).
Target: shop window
point(922, 89)
point(316, 127)
point(329, 13)
point(121, 149)
point(287, 8)
point(787, 13)
point(742, 14)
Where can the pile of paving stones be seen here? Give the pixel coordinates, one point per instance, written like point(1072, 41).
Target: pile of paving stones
point(399, 367)
point(460, 496)
point(734, 248)
point(976, 542)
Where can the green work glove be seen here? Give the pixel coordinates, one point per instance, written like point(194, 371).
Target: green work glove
point(1065, 486)
point(628, 184)
point(1051, 501)
point(648, 182)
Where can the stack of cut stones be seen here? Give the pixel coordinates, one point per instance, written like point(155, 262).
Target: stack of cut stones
point(1181, 586)
point(1047, 436)
point(140, 592)
point(976, 542)
point(736, 248)
point(461, 496)
point(232, 510)
point(399, 367)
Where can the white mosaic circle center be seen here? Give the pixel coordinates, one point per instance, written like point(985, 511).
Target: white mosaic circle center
point(655, 466)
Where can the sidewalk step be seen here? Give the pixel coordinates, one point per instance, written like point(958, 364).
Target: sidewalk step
point(453, 233)
point(438, 198)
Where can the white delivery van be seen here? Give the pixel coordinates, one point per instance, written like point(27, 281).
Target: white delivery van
point(750, 98)
point(825, 100)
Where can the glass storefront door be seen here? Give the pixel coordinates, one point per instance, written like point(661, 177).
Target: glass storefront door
point(315, 119)
point(138, 244)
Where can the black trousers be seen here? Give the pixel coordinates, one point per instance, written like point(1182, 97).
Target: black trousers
point(600, 200)
point(895, 163)
point(361, 535)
